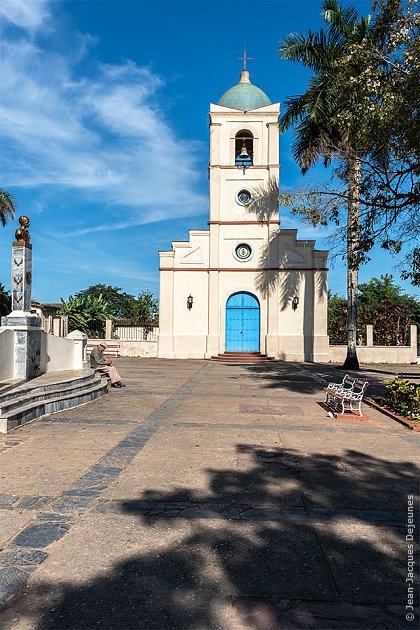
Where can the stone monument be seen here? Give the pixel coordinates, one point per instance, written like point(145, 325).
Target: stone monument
point(26, 325)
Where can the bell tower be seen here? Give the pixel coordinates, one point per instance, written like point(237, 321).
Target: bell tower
point(244, 150)
point(243, 286)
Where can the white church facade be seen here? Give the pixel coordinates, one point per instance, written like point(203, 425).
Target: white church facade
point(243, 285)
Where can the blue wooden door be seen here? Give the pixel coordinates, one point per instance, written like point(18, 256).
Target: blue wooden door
point(242, 323)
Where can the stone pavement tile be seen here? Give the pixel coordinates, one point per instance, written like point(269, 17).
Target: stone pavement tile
point(8, 500)
point(11, 522)
point(40, 535)
point(58, 454)
point(169, 574)
point(22, 557)
point(368, 562)
point(11, 579)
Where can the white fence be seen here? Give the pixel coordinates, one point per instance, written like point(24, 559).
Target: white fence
point(136, 333)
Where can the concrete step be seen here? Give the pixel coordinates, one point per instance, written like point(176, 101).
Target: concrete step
point(26, 397)
point(242, 357)
point(53, 381)
point(49, 396)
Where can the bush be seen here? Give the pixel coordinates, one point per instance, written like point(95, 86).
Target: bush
point(403, 398)
point(87, 314)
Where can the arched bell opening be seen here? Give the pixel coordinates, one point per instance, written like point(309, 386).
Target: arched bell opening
point(244, 148)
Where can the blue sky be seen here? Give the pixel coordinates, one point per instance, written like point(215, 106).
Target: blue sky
point(104, 128)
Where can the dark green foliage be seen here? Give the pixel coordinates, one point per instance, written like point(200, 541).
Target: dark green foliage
point(381, 303)
point(119, 303)
point(403, 398)
point(5, 301)
point(123, 305)
point(87, 314)
point(337, 319)
point(145, 307)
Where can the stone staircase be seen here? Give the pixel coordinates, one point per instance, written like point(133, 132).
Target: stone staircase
point(25, 401)
point(242, 357)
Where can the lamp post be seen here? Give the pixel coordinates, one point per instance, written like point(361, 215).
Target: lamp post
point(189, 302)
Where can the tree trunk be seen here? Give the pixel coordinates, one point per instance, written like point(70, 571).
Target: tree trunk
point(353, 232)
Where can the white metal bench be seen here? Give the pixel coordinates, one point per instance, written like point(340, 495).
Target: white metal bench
point(346, 394)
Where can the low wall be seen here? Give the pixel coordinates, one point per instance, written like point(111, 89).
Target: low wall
point(58, 354)
point(6, 354)
point(376, 354)
point(129, 347)
point(379, 354)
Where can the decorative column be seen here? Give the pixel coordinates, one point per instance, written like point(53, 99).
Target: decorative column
point(27, 326)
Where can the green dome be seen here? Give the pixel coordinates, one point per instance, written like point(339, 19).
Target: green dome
point(244, 95)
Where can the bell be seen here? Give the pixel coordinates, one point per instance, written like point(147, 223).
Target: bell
point(244, 153)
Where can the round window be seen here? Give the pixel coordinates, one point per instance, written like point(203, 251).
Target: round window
point(243, 251)
point(244, 197)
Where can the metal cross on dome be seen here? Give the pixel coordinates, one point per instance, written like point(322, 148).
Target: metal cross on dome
point(245, 58)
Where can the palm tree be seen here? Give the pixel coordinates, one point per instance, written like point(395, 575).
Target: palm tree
point(8, 206)
point(327, 126)
point(5, 301)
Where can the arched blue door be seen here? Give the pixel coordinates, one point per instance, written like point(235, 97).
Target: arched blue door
point(242, 323)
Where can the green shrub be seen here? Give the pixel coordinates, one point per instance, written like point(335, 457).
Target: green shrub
point(87, 314)
point(403, 398)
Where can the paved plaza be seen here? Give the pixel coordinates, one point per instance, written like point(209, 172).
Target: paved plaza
point(208, 496)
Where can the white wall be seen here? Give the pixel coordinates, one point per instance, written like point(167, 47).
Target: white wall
point(127, 347)
point(6, 354)
point(376, 354)
point(58, 354)
point(138, 348)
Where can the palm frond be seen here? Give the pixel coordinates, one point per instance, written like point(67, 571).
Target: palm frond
point(296, 108)
point(8, 206)
point(314, 51)
point(339, 18)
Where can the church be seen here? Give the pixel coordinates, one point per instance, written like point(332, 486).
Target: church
point(244, 285)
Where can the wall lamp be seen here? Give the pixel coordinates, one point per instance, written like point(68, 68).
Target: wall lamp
point(295, 302)
point(189, 302)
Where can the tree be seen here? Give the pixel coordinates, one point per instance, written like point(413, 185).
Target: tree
point(87, 314)
point(145, 307)
point(8, 206)
point(5, 301)
point(378, 79)
point(329, 125)
point(123, 305)
point(381, 303)
point(119, 303)
point(337, 319)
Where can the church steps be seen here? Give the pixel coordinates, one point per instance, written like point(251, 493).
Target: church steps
point(242, 357)
point(56, 396)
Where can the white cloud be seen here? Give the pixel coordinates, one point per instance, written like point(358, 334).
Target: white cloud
point(26, 14)
point(102, 134)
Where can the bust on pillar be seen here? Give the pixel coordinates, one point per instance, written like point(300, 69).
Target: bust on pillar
point(27, 326)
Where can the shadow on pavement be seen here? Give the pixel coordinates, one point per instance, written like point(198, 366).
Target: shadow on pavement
point(310, 378)
point(287, 537)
